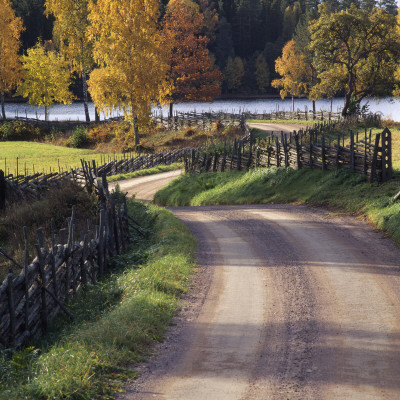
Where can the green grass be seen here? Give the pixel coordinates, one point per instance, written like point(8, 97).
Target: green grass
point(148, 171)
point(340, 190)
point(39, 157)
point(115, 321)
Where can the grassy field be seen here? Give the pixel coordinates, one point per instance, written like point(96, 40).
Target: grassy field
point(39, 157)
point(115, 321)
point(337, 190)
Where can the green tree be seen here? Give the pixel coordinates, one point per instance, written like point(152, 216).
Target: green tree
point(46, 78)
point(70, 32)
point(234, 73)
point(132, 59)
point(10, 65)
point(355, 52)
point(262, 73)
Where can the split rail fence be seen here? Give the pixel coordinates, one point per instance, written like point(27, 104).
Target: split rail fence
point(367, 155)
point(14, 188)
point(29, 301)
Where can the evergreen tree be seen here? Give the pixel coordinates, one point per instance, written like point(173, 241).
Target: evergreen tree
point(261, 74)
point(224, 43)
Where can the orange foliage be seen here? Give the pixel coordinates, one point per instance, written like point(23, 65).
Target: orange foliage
point(194, 76)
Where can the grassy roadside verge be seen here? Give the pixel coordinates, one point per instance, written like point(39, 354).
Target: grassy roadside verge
point(115, 321)
point(144, 172)
point(338, 190)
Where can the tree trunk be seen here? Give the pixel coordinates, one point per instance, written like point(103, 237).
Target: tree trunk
point(46, 111)
point(171, 105)
point(135, 128)
point(346, 106)
point(293, 104)
point(313, 108)
point(3, 108)
point(96, 115)
point(85, 95)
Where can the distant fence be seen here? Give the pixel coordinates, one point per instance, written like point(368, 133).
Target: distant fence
point(367, 155)
point(29, 187)
point(29, 301)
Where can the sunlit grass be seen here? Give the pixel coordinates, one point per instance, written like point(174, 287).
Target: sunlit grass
point(42, 157)
point(115, 321)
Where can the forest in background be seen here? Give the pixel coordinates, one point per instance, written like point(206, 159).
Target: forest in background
point(245, 36)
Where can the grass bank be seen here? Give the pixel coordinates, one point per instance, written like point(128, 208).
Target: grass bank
point(115, 321)
point(339, 190)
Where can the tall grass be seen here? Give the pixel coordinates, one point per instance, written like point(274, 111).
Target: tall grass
point(115, 321)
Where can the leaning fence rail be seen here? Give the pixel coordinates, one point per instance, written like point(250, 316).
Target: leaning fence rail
point(367, 155)
point(30, 300)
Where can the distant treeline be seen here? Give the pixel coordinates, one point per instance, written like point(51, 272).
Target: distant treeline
point(246, 36)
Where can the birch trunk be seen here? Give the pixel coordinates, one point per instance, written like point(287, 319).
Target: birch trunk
point(85, 95)
point(3, 108)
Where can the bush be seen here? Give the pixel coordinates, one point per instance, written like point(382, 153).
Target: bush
point(18, 130)
point(79, 137)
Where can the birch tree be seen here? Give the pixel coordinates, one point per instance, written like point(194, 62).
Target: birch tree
point(294, 71)
point(10, 65)
point(133, 63)
point(46, 78)
point(70, 33)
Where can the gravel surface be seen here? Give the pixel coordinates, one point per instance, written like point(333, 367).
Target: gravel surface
point(288, 302)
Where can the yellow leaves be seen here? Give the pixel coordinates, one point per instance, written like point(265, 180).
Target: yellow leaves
point(132, 60)
point(46, 78)
point(10, 31)
point(70, 31)
point(294, 70)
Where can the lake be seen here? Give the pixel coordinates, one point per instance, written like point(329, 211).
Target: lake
point(388, 107)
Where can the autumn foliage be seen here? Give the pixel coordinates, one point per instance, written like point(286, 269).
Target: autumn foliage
point(10, 65)
point(294, 71)
point(132, 60)
point(192, 72)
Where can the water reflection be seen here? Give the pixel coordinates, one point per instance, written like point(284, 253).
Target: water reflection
point(388, 107)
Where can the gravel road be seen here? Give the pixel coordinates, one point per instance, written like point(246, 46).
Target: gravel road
point(288, 302)
point(145, 187)
point(273, 127)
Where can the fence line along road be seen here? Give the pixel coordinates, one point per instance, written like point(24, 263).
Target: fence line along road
point(30, 300)
point(371, 156)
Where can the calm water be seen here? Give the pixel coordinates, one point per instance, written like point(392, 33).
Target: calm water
point(388, 107)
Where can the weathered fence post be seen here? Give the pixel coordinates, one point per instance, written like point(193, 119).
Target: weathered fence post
point(386, 155)
point(375, 158)
point(2, 190)
point(11, 306)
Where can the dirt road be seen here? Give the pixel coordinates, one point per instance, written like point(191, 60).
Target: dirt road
point(289, 302)
point(145, 187)
point(281, 127)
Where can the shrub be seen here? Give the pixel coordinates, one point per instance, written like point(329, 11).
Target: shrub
point(19, 130)
point(79, 137)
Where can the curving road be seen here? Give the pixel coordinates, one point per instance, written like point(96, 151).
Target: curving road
point(289, 302)
point(145, 187)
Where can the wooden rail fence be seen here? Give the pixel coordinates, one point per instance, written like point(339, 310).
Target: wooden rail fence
point(16, 188)
point(364, 155)
point(29, 301)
